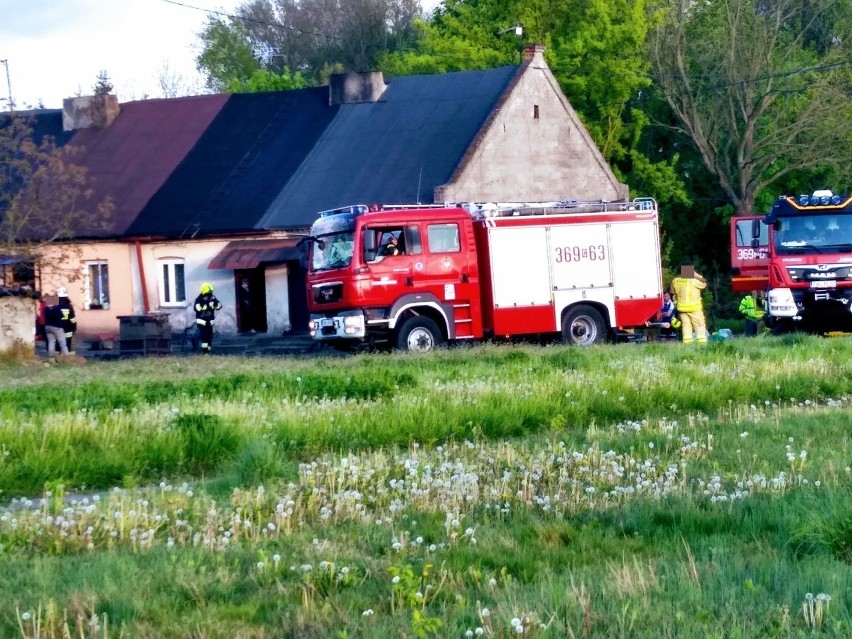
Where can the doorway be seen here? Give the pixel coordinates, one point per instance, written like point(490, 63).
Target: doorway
point(297, 288)
point(250, 285)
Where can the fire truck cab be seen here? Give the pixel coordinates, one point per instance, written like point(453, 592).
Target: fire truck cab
point(415, 277)
point(800, 253)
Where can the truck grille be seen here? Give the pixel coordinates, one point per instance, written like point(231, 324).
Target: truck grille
point(328, 294)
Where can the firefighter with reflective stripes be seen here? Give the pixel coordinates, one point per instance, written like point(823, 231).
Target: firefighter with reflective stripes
point(687, 292)
point(752, 308)
point(69, 317)
point(206, 306)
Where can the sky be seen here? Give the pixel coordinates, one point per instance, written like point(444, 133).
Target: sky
point(54, 49)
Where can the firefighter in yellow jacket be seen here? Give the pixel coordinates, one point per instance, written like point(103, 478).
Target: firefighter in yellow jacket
point(687, 292)
point(206, 306)
point(753, 309)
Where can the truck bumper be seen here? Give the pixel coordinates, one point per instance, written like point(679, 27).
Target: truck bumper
point(348, 325)
point(821, 309)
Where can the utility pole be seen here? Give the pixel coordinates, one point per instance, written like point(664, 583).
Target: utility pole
point(9, 85)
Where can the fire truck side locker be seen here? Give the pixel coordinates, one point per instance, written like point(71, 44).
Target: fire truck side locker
point(584, 279)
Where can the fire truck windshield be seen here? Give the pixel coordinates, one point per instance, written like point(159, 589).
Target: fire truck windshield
point(826, 233)
point(332, 251)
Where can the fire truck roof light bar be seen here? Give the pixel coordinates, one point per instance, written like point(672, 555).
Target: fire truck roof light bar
point(805, 204)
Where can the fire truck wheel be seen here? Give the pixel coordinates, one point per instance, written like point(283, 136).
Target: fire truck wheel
point(582, 326)
point(419, 335)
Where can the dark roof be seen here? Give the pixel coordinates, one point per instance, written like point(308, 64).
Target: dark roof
point(44, 123)
point(240, 164)
point(395, 150)
point(134, 156)
point(48, 122)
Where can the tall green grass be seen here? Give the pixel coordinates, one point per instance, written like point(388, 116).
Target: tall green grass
point(516, 447)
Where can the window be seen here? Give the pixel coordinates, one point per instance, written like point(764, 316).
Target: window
point(97, 285)
point(172, 283)
point(744, 233)
point(444, 238)
point(393, 240)
point(535, 111)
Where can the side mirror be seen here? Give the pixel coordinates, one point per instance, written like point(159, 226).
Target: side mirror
point(370, 248)
point(755, 231)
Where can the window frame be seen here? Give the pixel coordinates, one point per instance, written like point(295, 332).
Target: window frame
point(171, 263)
point(89, 303)
point(443, 225)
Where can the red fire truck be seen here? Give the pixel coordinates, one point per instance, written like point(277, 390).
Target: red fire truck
point(415, 277)
point(800, 253)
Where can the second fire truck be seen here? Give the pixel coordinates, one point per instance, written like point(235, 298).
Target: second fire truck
point(800, 253)
point(416, 277)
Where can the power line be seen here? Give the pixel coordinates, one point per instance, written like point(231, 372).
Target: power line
point(264, 23)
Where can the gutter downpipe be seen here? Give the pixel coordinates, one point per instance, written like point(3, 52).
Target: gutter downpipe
point(144, 284)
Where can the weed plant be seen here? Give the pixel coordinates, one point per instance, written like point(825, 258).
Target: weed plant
point(497, 491)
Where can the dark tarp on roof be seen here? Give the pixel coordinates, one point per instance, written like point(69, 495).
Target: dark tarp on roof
point(252, 253)
point(239, 165)
point(395, 150)
point(134, 156)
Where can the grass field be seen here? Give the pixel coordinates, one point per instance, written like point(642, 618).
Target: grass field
point(650, 490)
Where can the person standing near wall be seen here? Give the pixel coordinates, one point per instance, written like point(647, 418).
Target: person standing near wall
point(206, 306)
point(687, 292)
point(69, 317)
point(54, 328)
point(247, 319)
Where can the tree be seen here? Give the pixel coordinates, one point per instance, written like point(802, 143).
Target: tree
point(596, 50)
point(265, 80)
point(103, 85)
point(226, 53)
point(46, 198)
point(308, 37)
point(760, 87)
point(173, 84)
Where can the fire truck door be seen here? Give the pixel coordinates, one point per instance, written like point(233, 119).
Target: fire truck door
point(389, 267)
point(749, 258)
point(445, 270)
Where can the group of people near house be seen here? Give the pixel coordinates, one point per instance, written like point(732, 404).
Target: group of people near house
point(56, 321)
point(683, 309)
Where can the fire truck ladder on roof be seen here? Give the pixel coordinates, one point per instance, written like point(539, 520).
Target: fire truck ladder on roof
point(560, 207)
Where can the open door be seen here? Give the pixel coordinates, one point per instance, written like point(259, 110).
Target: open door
point(251, 300)
point(749, 255)
point(297, 296)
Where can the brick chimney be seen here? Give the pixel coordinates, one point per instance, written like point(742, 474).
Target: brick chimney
point(90, 111)
point(534, 51)
point(353, 88)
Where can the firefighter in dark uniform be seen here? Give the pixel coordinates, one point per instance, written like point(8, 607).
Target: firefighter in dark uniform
point(206, 306)
point(392, 246)
point(69, 317)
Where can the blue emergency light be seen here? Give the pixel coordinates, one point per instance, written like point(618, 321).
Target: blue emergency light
point(355, 209)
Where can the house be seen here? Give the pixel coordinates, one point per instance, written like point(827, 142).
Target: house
point(220, 188)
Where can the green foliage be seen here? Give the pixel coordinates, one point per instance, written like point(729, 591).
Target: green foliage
point(206, 441)
point(225, 56)
point(264, 80)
